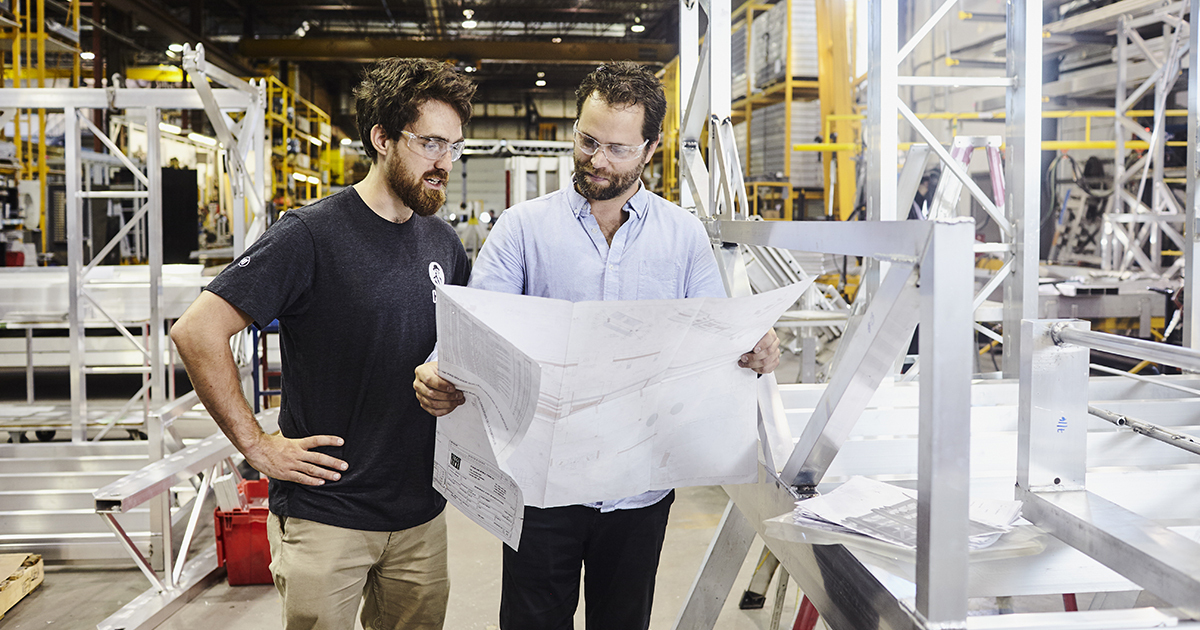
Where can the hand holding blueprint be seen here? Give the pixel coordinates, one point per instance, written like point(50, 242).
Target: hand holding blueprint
point(569, 403)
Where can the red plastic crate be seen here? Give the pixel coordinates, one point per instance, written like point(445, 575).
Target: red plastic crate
point(242, 537)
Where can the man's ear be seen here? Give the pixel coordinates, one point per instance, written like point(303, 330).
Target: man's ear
point(379, 139)
point(650, 149)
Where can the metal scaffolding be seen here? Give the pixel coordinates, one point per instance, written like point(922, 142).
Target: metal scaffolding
point(922, 274)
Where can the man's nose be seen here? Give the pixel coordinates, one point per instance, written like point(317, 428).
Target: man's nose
point(600, 158)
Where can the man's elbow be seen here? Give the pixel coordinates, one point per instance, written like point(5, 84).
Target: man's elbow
point(183, 333)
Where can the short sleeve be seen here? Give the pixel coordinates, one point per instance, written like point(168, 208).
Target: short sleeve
point(272, 278)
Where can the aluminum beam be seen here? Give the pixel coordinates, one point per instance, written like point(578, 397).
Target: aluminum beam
point(901, 241)
point(1161, 561)
point(943, 463)
point(1023, 133)
point(1191, 304)
point(117, 98)
point(717, 572)
point(872, 348)
point(139, 487)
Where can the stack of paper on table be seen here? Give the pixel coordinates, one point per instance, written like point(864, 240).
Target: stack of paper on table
point(889, 513)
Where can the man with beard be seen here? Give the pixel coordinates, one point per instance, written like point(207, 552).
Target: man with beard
point(607, 238)
point(352, 280)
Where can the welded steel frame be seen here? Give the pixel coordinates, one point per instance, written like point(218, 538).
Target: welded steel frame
point(147, 103)
point(1126, 230)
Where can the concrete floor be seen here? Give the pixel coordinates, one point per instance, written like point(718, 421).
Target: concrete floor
point(73, 598)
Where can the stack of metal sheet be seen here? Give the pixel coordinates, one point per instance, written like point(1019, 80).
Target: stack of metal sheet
point(737, 63)
point(770, 35)
point(769, 142)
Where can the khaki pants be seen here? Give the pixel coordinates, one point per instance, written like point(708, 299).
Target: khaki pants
point(322, 571)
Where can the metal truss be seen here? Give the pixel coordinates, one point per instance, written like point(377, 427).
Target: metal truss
point(1135, 233)
point(147, 105)
point(1020, 188)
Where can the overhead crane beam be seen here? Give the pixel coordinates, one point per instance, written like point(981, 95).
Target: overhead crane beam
point(369, 49)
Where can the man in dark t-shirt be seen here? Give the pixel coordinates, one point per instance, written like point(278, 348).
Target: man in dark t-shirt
point(352, 280)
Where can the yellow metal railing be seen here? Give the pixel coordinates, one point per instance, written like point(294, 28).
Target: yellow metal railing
point(1047, 145)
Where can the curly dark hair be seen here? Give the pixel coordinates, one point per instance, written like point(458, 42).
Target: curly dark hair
point(392, 91)
point(627, 83)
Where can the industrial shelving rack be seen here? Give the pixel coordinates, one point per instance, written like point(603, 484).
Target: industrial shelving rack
point(786, 91)
point(298, 133)
point(37, 46)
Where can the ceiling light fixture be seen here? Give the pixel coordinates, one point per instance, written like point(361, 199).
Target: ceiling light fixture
point(313, 180)
point(470, 21)
point(175, 48)
point(195, 137)
point(541, 75)
point(169, 128)
point(637, 27)
point(87, 55)
point(171, 54)
point(346, 142)
point(556, 40)
point(470, 69)
point(540, 83)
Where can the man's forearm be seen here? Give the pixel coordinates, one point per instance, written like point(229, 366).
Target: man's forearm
point(217, 382)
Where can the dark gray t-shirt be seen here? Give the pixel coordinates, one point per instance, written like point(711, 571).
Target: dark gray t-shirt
point(354, 295)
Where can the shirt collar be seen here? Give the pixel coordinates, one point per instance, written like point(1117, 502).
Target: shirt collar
point(637, 204)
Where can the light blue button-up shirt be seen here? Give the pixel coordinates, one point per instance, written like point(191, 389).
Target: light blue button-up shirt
point(553, 247)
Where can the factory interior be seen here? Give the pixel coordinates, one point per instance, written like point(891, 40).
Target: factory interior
point(989, 201)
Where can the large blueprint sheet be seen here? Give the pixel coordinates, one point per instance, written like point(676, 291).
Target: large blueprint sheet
point(569, 403)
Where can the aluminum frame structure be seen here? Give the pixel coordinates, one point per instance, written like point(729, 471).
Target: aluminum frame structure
point(149, 104)
point(1131, 226)
point(182, 578)
point(1017, 216)
point(939, 254)
point(1052, 462)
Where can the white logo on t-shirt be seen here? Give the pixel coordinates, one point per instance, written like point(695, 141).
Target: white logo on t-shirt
point(437, 277)
point(243, 262)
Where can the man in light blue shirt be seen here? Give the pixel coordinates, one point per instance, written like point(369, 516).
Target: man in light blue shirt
point(607, 238)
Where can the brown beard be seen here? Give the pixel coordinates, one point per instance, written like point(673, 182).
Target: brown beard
point(412, 191)
point(619, 182)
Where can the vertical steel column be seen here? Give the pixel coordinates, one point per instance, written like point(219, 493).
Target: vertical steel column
point(1023, 134)
point(718, 38)
point(944, 437)
point(882, 130)
point(259, 139)
point(154, 247)
point(689, 59)
point(75, 278)
point(1110, 252)
point(1191, 306)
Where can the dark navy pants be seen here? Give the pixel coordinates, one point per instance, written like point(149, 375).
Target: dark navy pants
point(618, 550)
